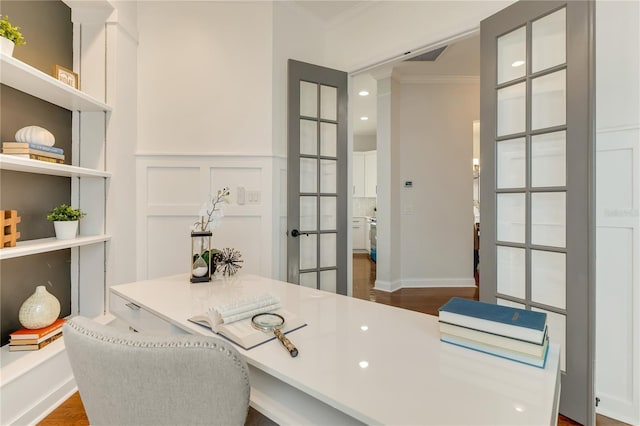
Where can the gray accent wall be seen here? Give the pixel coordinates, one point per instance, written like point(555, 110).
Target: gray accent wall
point(47, 27)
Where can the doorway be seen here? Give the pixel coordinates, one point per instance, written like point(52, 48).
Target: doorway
point(428, 105)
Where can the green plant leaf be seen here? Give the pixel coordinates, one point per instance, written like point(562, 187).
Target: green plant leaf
point(65, 213)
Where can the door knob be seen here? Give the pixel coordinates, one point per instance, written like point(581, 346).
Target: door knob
point(296, 233)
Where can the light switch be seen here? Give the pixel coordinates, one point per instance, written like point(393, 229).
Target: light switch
point(254, 197)
point(241, 196)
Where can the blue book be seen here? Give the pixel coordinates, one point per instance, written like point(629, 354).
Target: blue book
point(497, 319)
point(536, 361)
point(30, 145)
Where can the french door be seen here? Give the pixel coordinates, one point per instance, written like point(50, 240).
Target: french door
point(317, 177)
point(537, 155)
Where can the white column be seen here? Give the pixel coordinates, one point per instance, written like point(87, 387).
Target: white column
point(388, 203)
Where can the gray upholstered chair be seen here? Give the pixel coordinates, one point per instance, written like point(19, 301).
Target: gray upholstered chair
point(136, 379)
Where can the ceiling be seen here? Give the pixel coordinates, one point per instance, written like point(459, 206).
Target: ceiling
point(328, 10)
point(459, 59)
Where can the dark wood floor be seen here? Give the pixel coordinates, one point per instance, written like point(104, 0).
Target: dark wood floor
point(427, 300)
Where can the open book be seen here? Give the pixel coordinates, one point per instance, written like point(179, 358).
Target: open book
point(233, 320)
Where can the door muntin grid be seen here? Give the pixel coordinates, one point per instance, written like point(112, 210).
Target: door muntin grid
point(529, 147)
point(318, 185)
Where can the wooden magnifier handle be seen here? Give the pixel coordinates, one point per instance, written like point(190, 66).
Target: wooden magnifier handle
point(293, 351)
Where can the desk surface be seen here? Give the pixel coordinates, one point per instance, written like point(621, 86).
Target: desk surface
point(375, 363)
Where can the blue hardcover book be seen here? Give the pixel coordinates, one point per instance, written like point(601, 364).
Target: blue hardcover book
point(30, 145)
point(536, 361)
point(502, 320)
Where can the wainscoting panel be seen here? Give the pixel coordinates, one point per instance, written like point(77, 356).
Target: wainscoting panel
point(618, 273)
point(172, 189)
point(169, 245)
point(173, 185)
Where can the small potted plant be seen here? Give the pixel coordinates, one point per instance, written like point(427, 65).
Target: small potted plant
point(10, 36)
point(65, 221)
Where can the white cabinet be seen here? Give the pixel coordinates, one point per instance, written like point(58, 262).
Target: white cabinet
point(359, 228)
point(371, 174)
point(365, 174)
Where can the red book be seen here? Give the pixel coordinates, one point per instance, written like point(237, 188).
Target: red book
point(37, 333)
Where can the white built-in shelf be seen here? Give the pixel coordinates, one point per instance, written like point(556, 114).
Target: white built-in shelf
point(19, 164)
point(43, 245)
point(25, 78)
point(15, 364)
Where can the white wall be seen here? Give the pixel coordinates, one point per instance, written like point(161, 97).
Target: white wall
point(617, 210)
point(436, 148)
point(205, 85)
point(205, 122)
point(364, 143)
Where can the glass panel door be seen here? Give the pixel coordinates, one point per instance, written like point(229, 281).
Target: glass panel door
point(536, 146)
point(317, 178)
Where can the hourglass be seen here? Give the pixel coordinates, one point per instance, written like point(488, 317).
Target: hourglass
point(200, 256)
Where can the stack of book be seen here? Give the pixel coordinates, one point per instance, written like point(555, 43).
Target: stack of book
point(34, 151)
point(33, 339)
point(503, 331)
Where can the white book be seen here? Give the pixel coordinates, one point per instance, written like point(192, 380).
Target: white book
point(242, 332)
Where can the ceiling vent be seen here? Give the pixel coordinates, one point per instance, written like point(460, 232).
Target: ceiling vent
point(430, 56)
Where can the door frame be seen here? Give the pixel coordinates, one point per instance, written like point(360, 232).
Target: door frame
point(298, 71)
point(382, 70)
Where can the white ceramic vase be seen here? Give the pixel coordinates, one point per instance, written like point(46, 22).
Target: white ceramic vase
point(66, 230)
point(6, 46)
point(39, 310)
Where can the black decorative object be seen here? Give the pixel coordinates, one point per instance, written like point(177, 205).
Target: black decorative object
point(229, 261)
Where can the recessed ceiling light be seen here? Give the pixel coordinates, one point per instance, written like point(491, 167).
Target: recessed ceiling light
point(517, 64)
point(363, 93)
point(364, 118)
point(363, 364)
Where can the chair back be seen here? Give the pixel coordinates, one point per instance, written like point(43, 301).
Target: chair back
point(136, 379)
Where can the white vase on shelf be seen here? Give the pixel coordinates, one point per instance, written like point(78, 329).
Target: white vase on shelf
point(66, 230)
point(6, 46)
point(39, 310)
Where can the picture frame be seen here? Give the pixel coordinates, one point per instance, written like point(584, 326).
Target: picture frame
point(66, 76)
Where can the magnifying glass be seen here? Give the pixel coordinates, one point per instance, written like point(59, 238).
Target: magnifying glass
point(270, 322)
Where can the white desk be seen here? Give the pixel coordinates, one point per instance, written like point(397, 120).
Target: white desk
point(411, 377)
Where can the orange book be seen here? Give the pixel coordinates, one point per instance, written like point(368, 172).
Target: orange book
point(37, 333)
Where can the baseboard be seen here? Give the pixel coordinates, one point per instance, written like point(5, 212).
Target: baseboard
point(387, 286)
point(391, 286)
point(50, 403)
point(438, 282)
point(617, 409)
point(31, 396)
